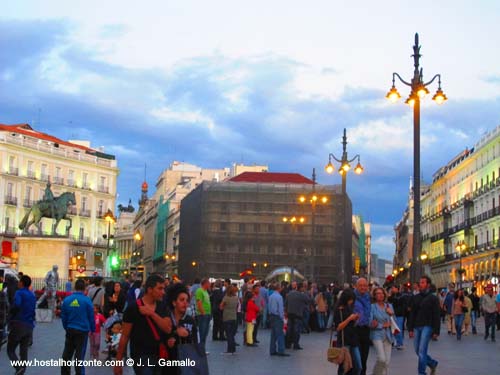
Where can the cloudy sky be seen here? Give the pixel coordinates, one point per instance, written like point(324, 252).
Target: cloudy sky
point(267, 82)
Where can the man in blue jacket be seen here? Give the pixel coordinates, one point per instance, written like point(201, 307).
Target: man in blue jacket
point(77, 316)
point(22, 323)
point(363, 306)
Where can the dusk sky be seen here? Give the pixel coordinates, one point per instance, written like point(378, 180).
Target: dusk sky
point(265, 82)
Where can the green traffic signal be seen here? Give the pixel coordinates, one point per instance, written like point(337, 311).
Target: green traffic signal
point(115, 262)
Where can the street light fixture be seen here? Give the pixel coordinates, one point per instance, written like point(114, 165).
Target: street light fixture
point(343, 169)
point(418, 92)
point(460, 247)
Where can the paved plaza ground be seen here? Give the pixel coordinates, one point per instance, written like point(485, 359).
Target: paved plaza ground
point(472, 355)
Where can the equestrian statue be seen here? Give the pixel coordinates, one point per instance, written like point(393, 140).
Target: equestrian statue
point(49, 207)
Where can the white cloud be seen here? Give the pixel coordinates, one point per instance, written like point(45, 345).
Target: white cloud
point(192, 117)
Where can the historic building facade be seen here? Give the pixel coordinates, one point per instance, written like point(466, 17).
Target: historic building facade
point(246, 225)
point(461, 217)
point(28, 160)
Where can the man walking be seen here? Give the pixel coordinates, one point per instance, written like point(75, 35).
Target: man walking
point(203, 311)
point(22, 323)
point(400, 304)
point(143, 324)
point(448, 304)
point(424, 324)
point(216, 299)
point(489, 308)
point(296, 303)
point(475, 309)
point(276, 318)
point(362, 306)
point(77, 317)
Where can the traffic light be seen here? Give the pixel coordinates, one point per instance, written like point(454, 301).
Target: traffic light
point(115, 262)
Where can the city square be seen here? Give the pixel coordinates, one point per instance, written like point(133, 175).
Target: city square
point(172, 174)
point(473, 355)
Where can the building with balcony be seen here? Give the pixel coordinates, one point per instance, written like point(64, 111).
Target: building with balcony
point(227, 228)
point(28, 160)
point(462, 207)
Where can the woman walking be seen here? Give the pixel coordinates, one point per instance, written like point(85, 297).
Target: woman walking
point(321, 308)
point(459, 308)
point(229, 306)
point(345, 320)
point(380, 332)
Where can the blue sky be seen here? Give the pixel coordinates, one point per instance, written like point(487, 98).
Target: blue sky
point(271, 82)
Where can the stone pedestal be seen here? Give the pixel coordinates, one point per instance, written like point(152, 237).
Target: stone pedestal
point(37, 255)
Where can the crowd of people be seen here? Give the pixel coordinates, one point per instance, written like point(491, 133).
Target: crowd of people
point(151, 320)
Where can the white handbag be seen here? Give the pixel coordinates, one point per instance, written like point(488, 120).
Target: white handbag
point(394, 326)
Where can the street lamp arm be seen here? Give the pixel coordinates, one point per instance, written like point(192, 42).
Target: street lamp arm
point(401, 79)
point(331, 156)
point(432, 80)
point(354, 158)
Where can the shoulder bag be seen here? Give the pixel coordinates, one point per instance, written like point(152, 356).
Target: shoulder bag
point(162, 348)
point(333, 353)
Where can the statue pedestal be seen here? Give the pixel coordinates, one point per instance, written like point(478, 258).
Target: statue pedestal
point(37, 255)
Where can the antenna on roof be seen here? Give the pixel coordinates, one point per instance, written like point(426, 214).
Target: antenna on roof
point(145, 167)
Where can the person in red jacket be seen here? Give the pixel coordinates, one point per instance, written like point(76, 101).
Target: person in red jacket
point(250, 317)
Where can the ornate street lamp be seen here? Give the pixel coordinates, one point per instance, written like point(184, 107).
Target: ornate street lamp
point(345, 166)
point(418, 92)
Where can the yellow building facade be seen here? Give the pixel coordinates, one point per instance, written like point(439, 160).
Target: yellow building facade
point(461, 216)
point(28, 160)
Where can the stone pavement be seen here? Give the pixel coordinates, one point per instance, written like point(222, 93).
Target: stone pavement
point(470, 356)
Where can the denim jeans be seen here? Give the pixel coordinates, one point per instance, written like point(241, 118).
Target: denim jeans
point(321, 320)
point(421, 341)
point(230, 329)
point(400, 320)
point(459, 320)
point(356, 362)
point(203, 322)
point(489, 322)
point(473, 318)
point(277, 335)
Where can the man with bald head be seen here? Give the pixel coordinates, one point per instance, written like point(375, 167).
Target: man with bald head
point(362, 306)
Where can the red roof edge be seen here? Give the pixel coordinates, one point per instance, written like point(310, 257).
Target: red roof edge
point(272, 177)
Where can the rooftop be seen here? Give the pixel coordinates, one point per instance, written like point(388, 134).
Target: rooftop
point(271, 178)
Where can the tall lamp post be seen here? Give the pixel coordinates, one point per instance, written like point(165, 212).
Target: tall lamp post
point(293, 221)
point(418, 92)
point(460, 247)
point(313, 199)
point(345, 166)
point(110, 219)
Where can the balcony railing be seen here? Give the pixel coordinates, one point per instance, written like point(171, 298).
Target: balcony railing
point(10, 200)
point(13, 171)
point(44, 177)
point(58, 180)
point(9, 230)
point(31, 174)
point(85, 213)
point(28, 203)
point(103, 189)
point(86, 186)
point(99, 214)
point(71, 183)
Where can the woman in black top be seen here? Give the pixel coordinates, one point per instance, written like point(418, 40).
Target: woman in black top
point(345, 319)
point(114, 300)
point(184, 329)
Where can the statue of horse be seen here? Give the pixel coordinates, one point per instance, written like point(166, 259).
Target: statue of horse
point(57, 210)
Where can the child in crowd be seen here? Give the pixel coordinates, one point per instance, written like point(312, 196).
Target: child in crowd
point(113, 338)
point(95, 337)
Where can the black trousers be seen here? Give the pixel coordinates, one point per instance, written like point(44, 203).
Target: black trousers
point(218, 327)
point(75, 345)
point(256, 327)
point(294, 329)
point(364, 345)
point(20, 334)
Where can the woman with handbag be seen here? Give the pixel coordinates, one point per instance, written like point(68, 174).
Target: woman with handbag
point(184, 330)
point(344, 320)
point(459, 309)
point(381, 332)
